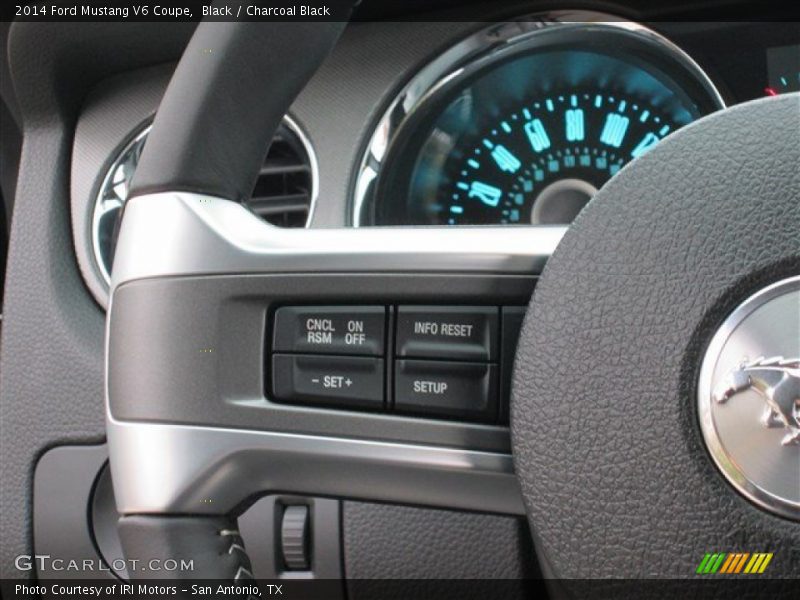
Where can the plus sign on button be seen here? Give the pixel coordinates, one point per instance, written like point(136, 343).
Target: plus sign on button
point(328, 380)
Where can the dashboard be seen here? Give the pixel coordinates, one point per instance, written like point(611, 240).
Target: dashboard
point(516, 122)
point(511, 120)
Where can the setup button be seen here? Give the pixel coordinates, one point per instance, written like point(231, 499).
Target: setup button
point(461, 390)
point(328, 380)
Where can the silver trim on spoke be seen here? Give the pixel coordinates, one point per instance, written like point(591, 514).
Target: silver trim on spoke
point(179, 234)
point(191, 469)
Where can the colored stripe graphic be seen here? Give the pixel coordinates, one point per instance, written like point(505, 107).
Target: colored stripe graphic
point(754, 562)
point(701, 567)
point(732, 567)
point(711, 562)
point(718, 562)
point(740, 564)
point(764, 564)
point(734, 563)
point(728, 563)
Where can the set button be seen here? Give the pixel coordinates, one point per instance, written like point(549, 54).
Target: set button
point(328, 380)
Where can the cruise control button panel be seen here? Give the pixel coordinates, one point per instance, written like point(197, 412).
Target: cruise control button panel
point(352, 330)
point(457, 333)
point(451, 389)
point(329, 380)
point(449, 362)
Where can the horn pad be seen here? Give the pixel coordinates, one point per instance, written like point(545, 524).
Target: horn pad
point(613, 466)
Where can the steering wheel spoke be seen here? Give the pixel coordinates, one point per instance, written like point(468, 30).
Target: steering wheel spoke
point(191, 422)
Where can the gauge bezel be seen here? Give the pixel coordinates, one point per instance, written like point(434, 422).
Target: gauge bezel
point(489, 46)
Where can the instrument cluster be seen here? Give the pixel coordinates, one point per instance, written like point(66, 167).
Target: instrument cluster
point(523, 122)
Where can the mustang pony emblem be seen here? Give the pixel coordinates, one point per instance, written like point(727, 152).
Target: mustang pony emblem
point(777, 380)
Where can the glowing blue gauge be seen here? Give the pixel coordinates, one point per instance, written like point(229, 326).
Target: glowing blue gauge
point(543, 162)
point(530, 139)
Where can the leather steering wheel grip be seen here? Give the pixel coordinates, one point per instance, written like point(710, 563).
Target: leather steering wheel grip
point(607, 446)
point(229, 92)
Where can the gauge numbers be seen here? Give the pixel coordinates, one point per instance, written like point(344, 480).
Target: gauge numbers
point(542, 163)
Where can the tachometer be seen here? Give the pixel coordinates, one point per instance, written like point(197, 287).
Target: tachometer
point(528, 132)
point(543, 162)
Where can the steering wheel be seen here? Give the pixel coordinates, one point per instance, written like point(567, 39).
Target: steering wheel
point(610, 453)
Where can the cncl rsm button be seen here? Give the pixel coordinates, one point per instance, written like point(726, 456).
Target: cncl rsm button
point(352, 330)
point(458, 333)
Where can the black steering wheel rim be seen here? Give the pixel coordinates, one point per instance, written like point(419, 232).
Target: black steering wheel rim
point(605, 425)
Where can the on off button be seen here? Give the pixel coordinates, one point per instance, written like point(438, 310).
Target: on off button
point(342, 330)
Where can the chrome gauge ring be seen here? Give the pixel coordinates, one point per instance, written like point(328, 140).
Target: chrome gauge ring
point(522, 122)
